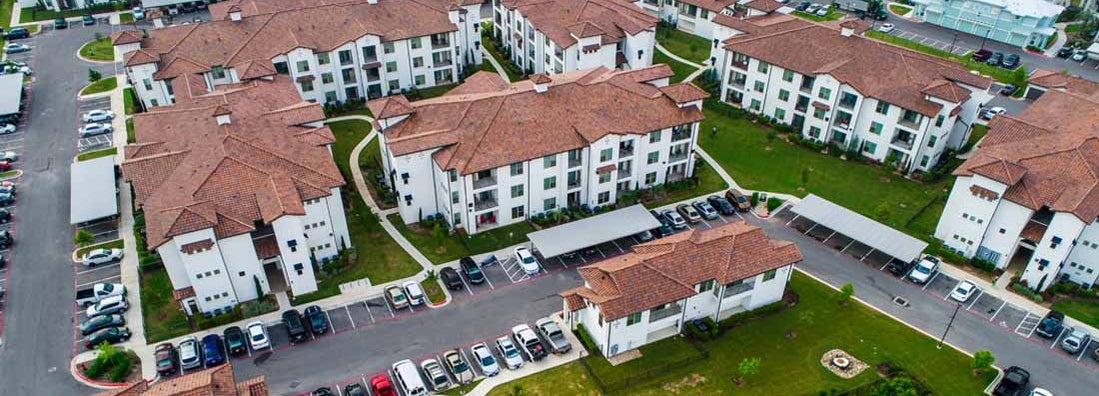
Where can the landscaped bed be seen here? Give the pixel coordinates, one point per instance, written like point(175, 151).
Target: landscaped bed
point(115, 244)
point(900, 9)
point(433, 290)
point(449, 247)
point(105, 85)
point(97, 154)
point(99, 49)
point(682, 44)
point(681, 70)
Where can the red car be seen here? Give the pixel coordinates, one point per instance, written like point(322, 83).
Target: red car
point(982, 55)
point(5, 166)
point(381, 386)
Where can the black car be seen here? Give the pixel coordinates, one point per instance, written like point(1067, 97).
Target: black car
point(1010, 62)
point(355, 389)
point(995, 59)
point(234, 340)
point(323, 391)
point(1014, 383)
point(318, 322)
point(472, 270)
point(186, 7)
point(5, 239)
point(60, 23)
point(88, 20)
point(451, 279)
point(721, 204)
point(5, 216)
point(664, 230)
point(899, 267)
point(1051, 325)
point(17, 33)
point(803, 5)
point(1008, 90)
point(109, 335)
point(101, 322)
point(294, 326)
point(1065, 52)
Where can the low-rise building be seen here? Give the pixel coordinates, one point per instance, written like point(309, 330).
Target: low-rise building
point(335, 52)
point(1028, 197)
point(1025, 23)
point(239, 191)
point(217, 381)
point(1044, 80)
point(489, 154)
point(558, 36)
point(832, 85)
point(650, 293)
point(700, 17)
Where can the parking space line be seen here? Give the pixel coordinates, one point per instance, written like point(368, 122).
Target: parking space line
point(1037, 320)
point(465, 285)
point(980, 292)
point(333, 324)
point(352, 318)
point(830, 237)
point(997, 311)
point(98, 268)
point(722, 218)
point(705, 223)
point(98, 281)
point(1025, 317)
point(1063, 330)
point(848, 245)
point(490, 285)
point(933, 277)
point(562, 261)
point(883, 265)
point(389, 308)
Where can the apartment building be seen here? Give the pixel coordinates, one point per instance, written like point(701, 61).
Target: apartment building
point(1044, 80)
point(701, 17)
point(239, 190)
point(1016, 22)
point(1028, 197)
point(215, 381)
point(650, 293)
point(489, 154)
point(831, 85)
point(559, 36)
point(334, 52)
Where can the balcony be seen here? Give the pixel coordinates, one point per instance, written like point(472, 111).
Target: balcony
point(483, 182)
point(484, 202)
point(848, 102)
point(573, 183)
point(677, 156)
point(909, 123)
point(740, 63)
point(625, 150)
point(903, 140)
point(624, 173)
point(807, 85)
point(441, 59)
point(737, 288)
point(683, 134)
point(440, 42)
point(663, 313)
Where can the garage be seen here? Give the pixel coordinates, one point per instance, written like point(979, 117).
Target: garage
point(603, 228)
point(857, 233)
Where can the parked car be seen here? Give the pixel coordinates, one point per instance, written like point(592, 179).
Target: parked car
point(472, 270)
point(992, 112)
point(899, 267)
point(823, 11)
point(995, 59)
point(87, 20)
point(167, 359)
point(318, 323)
point(408, 377)
point(98, 116)
point(189, 356)
point(1008, 90)
point(294, 326)
point(5, 237)
point(5, 216)
point(4, 167)
point(708, 212)
point(511, 355)
point(1040, 392)
point(458, 367)
point(9, 156)
point(354, 389)
point(981, 55)
point(396, 297)
point(211, 350)
point(1014, 381)
point(108, 306)
point(101, 256)
point(7, 129)
point(414, 292)
point(721, 204)
point(1080, 55)
point(812, 9)
point(257, 335)
point(101, 322)
point(60, 23)
point(1051, 325)
point(886, 28)
point(380, 386)
point(435, 374)
point(451, 279)
point(485, 360)
point(689, 212)
point(15, 48)
point(110, 335)
point(963, 291)
point(234, 341)
point(528, 339)
point(1065, 52)
point(187, 7)
point(173, 10)
point(1011, 61)
point(139, 14)
point(526, 260)
point(553, 333)
point(665, 228)
point(925, 268)
point(322, 391)
point(15, 67)
point(17, 33)
point(644, 236)
point(94, 129)
point(7, 188)
point(1076, 340)
point(802, 6)
point(675, 219)
point(98, 292)
point(739, 199)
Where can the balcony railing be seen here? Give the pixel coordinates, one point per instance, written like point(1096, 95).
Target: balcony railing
point(733, 290)
point(625, 150)
point(742, 64)
point(684, 135)
point(908, 123)
point(442, 62)
point(901, 142)
point(436, 44)
point(624, 173)
point(847, 104)
point(484, 182)
point(676, 157)
point(574, 162)
point(658, 314)
point(480, 204)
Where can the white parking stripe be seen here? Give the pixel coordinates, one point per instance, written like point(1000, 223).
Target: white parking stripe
point(338, 390)
point(980, 292)
point(933, 276)
point(997, 311)
point(620, 251)
point(465, 285)
point(98, 281)
point(389, 308)
point(1063, 330)
point(332, 324)
point(883, 266)
point(352, 318)
point(1084, 350)
point(483, 275)
point(1021, 322)
point(1037, 320)
point(98, 268)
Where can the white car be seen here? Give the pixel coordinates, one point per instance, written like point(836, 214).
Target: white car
point(1080, 55)
point(992, 112)
point(6, 129)
point(963, 291)
point(485, 360)
point(823, 11)
point(886, 27)
point(1040, 392)
point(139, 14)
point(527, 260)
point(923, 270)
point(812, 9)
point(107, 306)
point(95, 128)
point(414, 292)
point(98, 116)
point(11, 48)
point(9, 156)
point(189, 357)
point(511, 355)
point(435, 374)
point(257, 335)
point(101, 256)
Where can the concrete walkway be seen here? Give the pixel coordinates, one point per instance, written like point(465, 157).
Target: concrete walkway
point(677, 58)
point(495, 64)
point(1062, 38)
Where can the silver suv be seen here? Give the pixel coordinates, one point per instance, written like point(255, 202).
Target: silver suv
point(1077, 339)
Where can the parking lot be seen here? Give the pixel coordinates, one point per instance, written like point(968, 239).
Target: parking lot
point(92, 142)
point(956, 49)
point(86, 278)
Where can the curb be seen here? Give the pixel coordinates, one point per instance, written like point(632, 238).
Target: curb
point(79, 377)
point(18, 173)
point(77, 259)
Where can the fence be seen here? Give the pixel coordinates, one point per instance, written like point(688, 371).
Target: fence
point(637, 377)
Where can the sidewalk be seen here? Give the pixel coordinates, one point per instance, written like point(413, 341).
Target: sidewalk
point(495, 64)
point(1062, 38)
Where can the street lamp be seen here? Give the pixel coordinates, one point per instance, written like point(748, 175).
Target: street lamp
point(948, 324)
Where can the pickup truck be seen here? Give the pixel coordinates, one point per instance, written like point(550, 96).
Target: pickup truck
point(1014, 383)
point(529, 341)
point(552, 333)
point(1051, 325)
point(98, 292)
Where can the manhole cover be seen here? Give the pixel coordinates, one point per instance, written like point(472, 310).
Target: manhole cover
point(900, 301)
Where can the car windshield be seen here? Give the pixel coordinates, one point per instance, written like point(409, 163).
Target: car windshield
point(487, 361)
point(107, 287)
point(923, 269)
point(510, 352)
point(528, 259)
point(1071, 342)
point(398, 297)
point(962, 290)
point(460, 367)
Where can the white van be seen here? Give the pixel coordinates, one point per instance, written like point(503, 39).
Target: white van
point(408, 377)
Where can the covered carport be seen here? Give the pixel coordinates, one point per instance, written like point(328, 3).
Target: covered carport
point(854, 233)
point(94, 194)
point(11, 94)
point(595, 230)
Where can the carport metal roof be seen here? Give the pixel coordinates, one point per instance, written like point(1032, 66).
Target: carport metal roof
point(93, 194)
point(860, 228)
point(11, 93)
point(592, 231)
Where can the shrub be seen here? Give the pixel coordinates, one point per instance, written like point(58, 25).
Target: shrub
point(83, 238)
point(1026, 292)
point(585, 338)
point(94, 75)
point(257, 308)
point(846, 292)
point(982, 264)
point(695, 333)
point(755, 199)
point(773, 203)
point(982, 360)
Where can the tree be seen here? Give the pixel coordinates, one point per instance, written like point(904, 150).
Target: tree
point(1019, 77)
point(882, 212)
point(747, 367)
point(94, 76)
point(439, 234)
point(83, 238)
point(982, 360)
point(846, 291)
point(259, 288)
point(897, 386)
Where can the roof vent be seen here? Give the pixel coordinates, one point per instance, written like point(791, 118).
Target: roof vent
point(541, 82)
point(221, 114)
point(234, 13)
point(847, 29)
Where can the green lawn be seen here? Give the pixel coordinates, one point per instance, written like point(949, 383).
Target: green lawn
point(126, 17)
point(834, 14)
point(7, 174)
point(115, 244)
point(105, 85)
point(371, 163)
point(163, 316)
point(41, 14)
point(681, 70)
point(1082, 310)
point(5, 15)
point(460, 244)
point(433, 290)
point(996, 73)
point(100, 50)
point(979, 131)
point(487, 66)
point(130, 100)
point(1073, 28)
point(683, 44)
point(567, 379)
point(97, 154)
point(130, 138)
point(708, 182)
point(790, 366)
point(900, 9)
point(741, 147)
point(428, 93)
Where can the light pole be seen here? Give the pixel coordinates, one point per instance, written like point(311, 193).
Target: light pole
point(948, 324)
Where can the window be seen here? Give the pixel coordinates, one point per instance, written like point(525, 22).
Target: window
point(323, 58)
point(762, 67)
point(198, 275)
point(654, 157)
point(390, 67)
point(870, 148)
point(784, 95)
point(883, 108)
point(650, 178)
point(931, 141)
point(606, 154)
point(754, 105)
point(345, 57)
point(348, 76)
point(326, 78)
point(654, 136)
point(303, 66)
point(219, 72)
point(706, 286)
point(549, 161)
point(453, 175)
point(370, 54)
point(924, 160)
point(394, 85)
point(418, 61)
point(549, 183)
point(307, 86)
point(633, 319)
point(387, 47)
point(819, 113)
point(604, 177)
point(549, 204)
point(825, 93)
point(282, 68)
point(517, 212)
point(148, 84)
point(604, 197)
point(330, 96)
point(416, 44)
point(780, 114)
point(517, 191)
point(876, 128)
point(769, 275)
point(939, 120)
point(419, 80)
point(814, 132)
point(758, 86)
point(517, 169)
point(787, 76)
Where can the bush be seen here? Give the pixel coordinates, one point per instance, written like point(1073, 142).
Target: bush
point(1026, 292)
point(257, 308)
point(585, 338)
point(982, 264)
point(695, 333)
point(755, 199)
point(744, 317)
point(773, 203)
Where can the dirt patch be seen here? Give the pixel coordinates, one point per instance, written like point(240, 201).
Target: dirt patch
point(687, 382)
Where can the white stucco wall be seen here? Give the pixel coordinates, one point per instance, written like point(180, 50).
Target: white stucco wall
point(296, 261)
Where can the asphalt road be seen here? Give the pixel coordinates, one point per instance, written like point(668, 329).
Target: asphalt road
point(37, 334)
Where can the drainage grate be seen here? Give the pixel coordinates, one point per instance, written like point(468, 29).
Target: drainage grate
point(900, 301)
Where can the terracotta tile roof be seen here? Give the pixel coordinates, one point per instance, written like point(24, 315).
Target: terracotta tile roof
point(764, 5)
point(820, 105)
point(183, 293)
point(197, 246)
point(1033, 231)
point(266, 247)
point(480, 82)
point(983, 192)
point(713, 5)
point(486, 130)
point(876, 69)
point(1054, 80)
point(1048, 155)
point(189, 173)
point(278, 27)
point(684, 92)
point(125, 37)
point(217, 381)
point(219, 11)
point(139, 57)
point(667, 269)
point(760, 25)
point(947, 90)
point(606, 168)
point(390, 106)
point(564, 21)
point(573, 301)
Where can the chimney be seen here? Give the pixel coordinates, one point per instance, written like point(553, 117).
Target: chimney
point(221, 114)
point(541, 82)
point(234, 13)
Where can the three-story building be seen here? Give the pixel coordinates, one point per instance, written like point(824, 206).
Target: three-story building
point(1023, 23)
